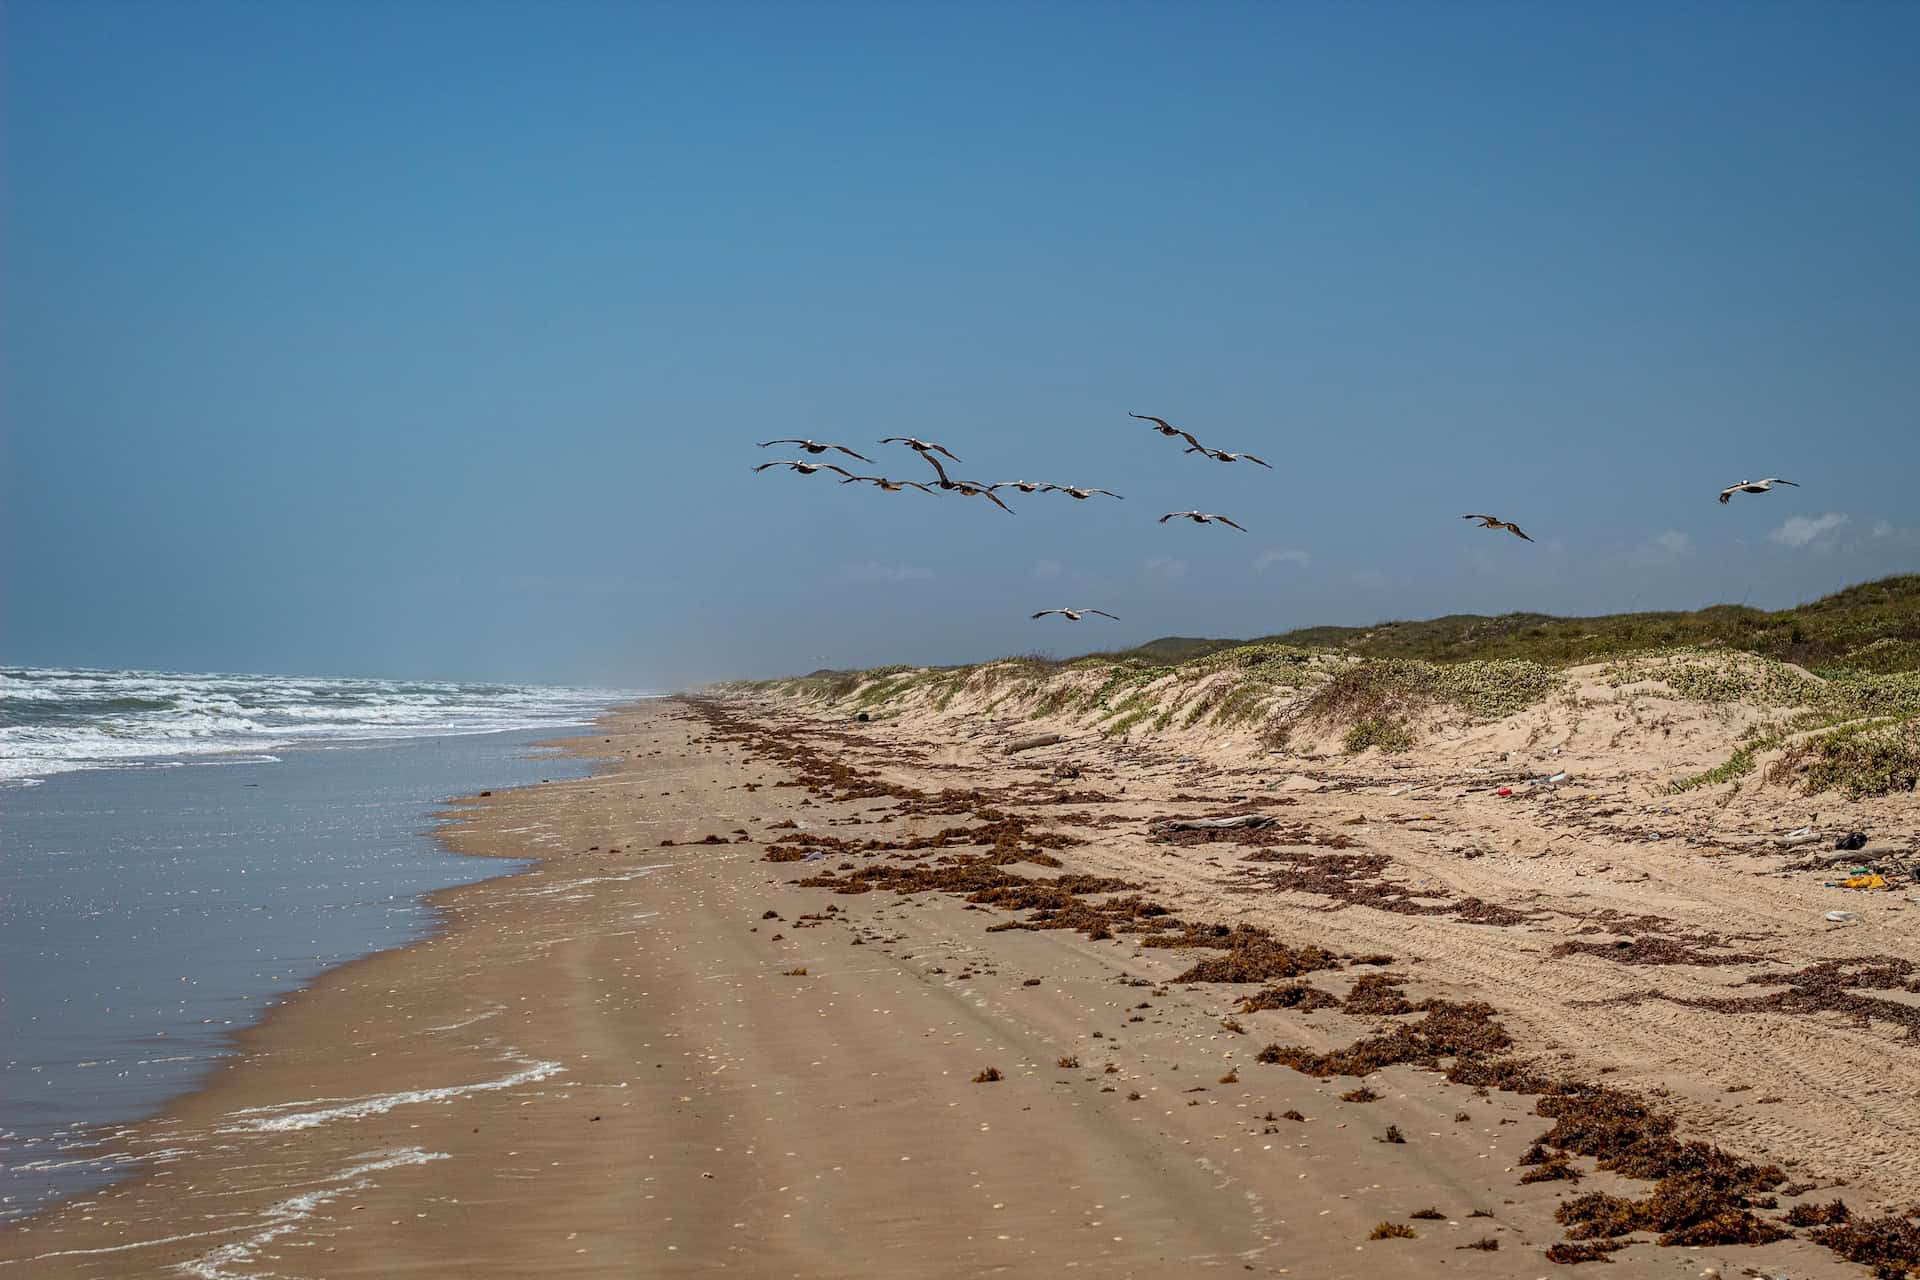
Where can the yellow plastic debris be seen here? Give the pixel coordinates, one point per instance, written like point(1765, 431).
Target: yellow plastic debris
point(1874, 881)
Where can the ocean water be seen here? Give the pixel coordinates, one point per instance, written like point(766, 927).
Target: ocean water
point(178, 852)
point(57, 720)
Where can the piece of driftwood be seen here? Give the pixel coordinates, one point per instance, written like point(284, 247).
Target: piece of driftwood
point(1028, 744)
point(1216, 824)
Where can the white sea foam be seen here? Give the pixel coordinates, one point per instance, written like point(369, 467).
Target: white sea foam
point(271, 1120)
point(287, 1215)
point(56, 720)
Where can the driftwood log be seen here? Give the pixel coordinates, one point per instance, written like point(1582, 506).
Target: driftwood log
point(1254, 820)
point(1028, 744)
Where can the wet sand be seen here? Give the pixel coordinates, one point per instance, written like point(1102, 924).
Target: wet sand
point(656, 1054)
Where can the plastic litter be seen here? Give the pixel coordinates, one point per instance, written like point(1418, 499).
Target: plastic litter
point(1800, 836)
point(1852, 840)
point(1840, 917)
point(1504, 791)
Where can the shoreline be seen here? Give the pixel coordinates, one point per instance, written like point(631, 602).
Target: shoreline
point(88, 1146)
point(609, 1060)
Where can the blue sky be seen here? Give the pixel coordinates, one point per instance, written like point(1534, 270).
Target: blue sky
point(435, 339)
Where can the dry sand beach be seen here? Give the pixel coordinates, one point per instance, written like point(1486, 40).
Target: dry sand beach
point(661, 1051)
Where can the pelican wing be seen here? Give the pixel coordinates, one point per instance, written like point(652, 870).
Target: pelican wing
point(1147, 417)
point(1777, 480)
point(1110, 493)
point(940, 448)
point(1492, 518)
point(1044, 612)
point(994, 498)
point(868, 479)
point(1225, 521)
point(832, 467)
point(940, 470)
point(1261, 461)
point(1102, 612)
point(763, 466)
point(851, 454)
point(1726, 494)
point(1170, 515)
point(1516, 531)
point(766, 444)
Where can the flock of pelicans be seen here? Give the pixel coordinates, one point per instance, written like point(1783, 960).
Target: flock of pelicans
point(932, 453)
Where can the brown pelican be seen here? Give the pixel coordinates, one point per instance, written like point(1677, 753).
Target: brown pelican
point(1166, 428)
point(814, 446)
point(1751, 486)
point(973, 489)
point(1073, 615)
point(1495, 522)
point(920, 446)
point(1082, 494)
point(806, 468)
point(1221, 455)
point(1024, 486)
point(890, 486)
point(1200, 517)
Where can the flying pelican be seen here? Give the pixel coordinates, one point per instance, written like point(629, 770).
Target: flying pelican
point(1751, 486)
point(890, 486)
point(1221, 455)
point(1200, 517)
point(920, 446)
point(1166, 428)
point(1082, 494)
point(974, 489)
point(814, 446)
point(1495, 522)
point(806, 468)
point(1024, 486)
point(1073, 615)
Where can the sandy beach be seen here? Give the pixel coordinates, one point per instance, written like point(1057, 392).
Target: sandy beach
point(658, 1053)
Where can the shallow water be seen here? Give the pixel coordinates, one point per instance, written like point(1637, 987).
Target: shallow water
point(146, 914)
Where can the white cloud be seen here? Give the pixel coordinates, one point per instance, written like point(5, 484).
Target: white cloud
point(1276, 555)
point(1663, 548)
point(873, 571)
point(1798, 531)
point(1882, 528)
point(1166, 568)
point(1674, 542)
point(1047, 570)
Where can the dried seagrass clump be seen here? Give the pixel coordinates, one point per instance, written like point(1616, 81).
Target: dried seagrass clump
point(1378, 995)
point(1586, 1251)
point(1254, 955)
point(1890, 1244)
point(1302, 997)
point(1830, 1214)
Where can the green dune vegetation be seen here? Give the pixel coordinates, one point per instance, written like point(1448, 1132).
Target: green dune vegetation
point(1835, 684)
